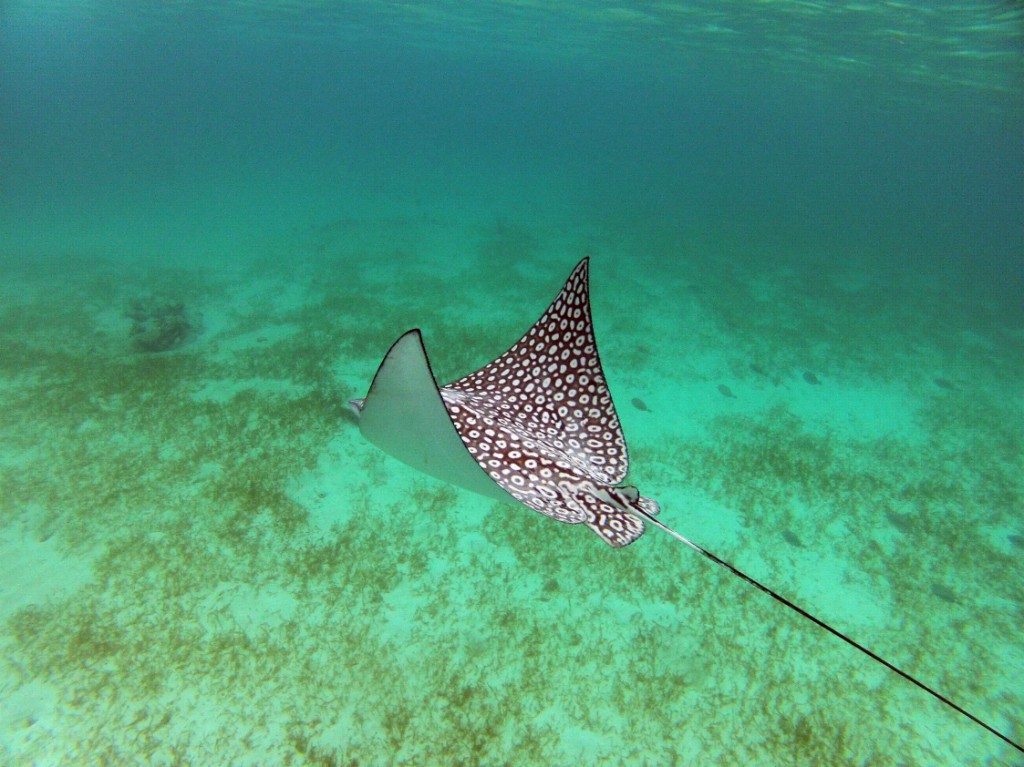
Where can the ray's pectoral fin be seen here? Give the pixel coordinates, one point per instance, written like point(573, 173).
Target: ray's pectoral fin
point(404, 415)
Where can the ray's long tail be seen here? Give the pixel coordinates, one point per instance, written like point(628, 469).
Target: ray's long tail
point(835, 632)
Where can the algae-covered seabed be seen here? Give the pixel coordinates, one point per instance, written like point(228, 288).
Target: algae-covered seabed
point(203, 562)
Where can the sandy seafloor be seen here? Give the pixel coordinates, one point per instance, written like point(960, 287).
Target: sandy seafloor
point(204, 563)
point(807, 296)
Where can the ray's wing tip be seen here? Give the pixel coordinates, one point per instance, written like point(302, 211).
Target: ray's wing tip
point(410, 332)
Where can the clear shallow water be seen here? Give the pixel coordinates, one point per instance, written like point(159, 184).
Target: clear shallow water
point(203, 562)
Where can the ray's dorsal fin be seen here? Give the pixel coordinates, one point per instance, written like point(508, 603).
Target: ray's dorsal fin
point(550, 385)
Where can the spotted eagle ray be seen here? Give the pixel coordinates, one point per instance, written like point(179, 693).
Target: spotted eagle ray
point(537, 427)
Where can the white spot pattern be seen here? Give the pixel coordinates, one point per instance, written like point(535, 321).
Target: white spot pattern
point(540, 421)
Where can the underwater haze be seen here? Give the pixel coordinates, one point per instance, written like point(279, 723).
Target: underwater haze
point(805, 224)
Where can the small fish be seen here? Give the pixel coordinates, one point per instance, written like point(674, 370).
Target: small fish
point(811, 378)
point(791, 538)
point(944, 593)
point(901, 522)
point(725, 391)
point(639, 404)
point(1017, 540)
point(759, 369)
point(944, 383)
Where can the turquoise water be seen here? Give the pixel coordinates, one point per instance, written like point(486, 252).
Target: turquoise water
point(806, 231)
